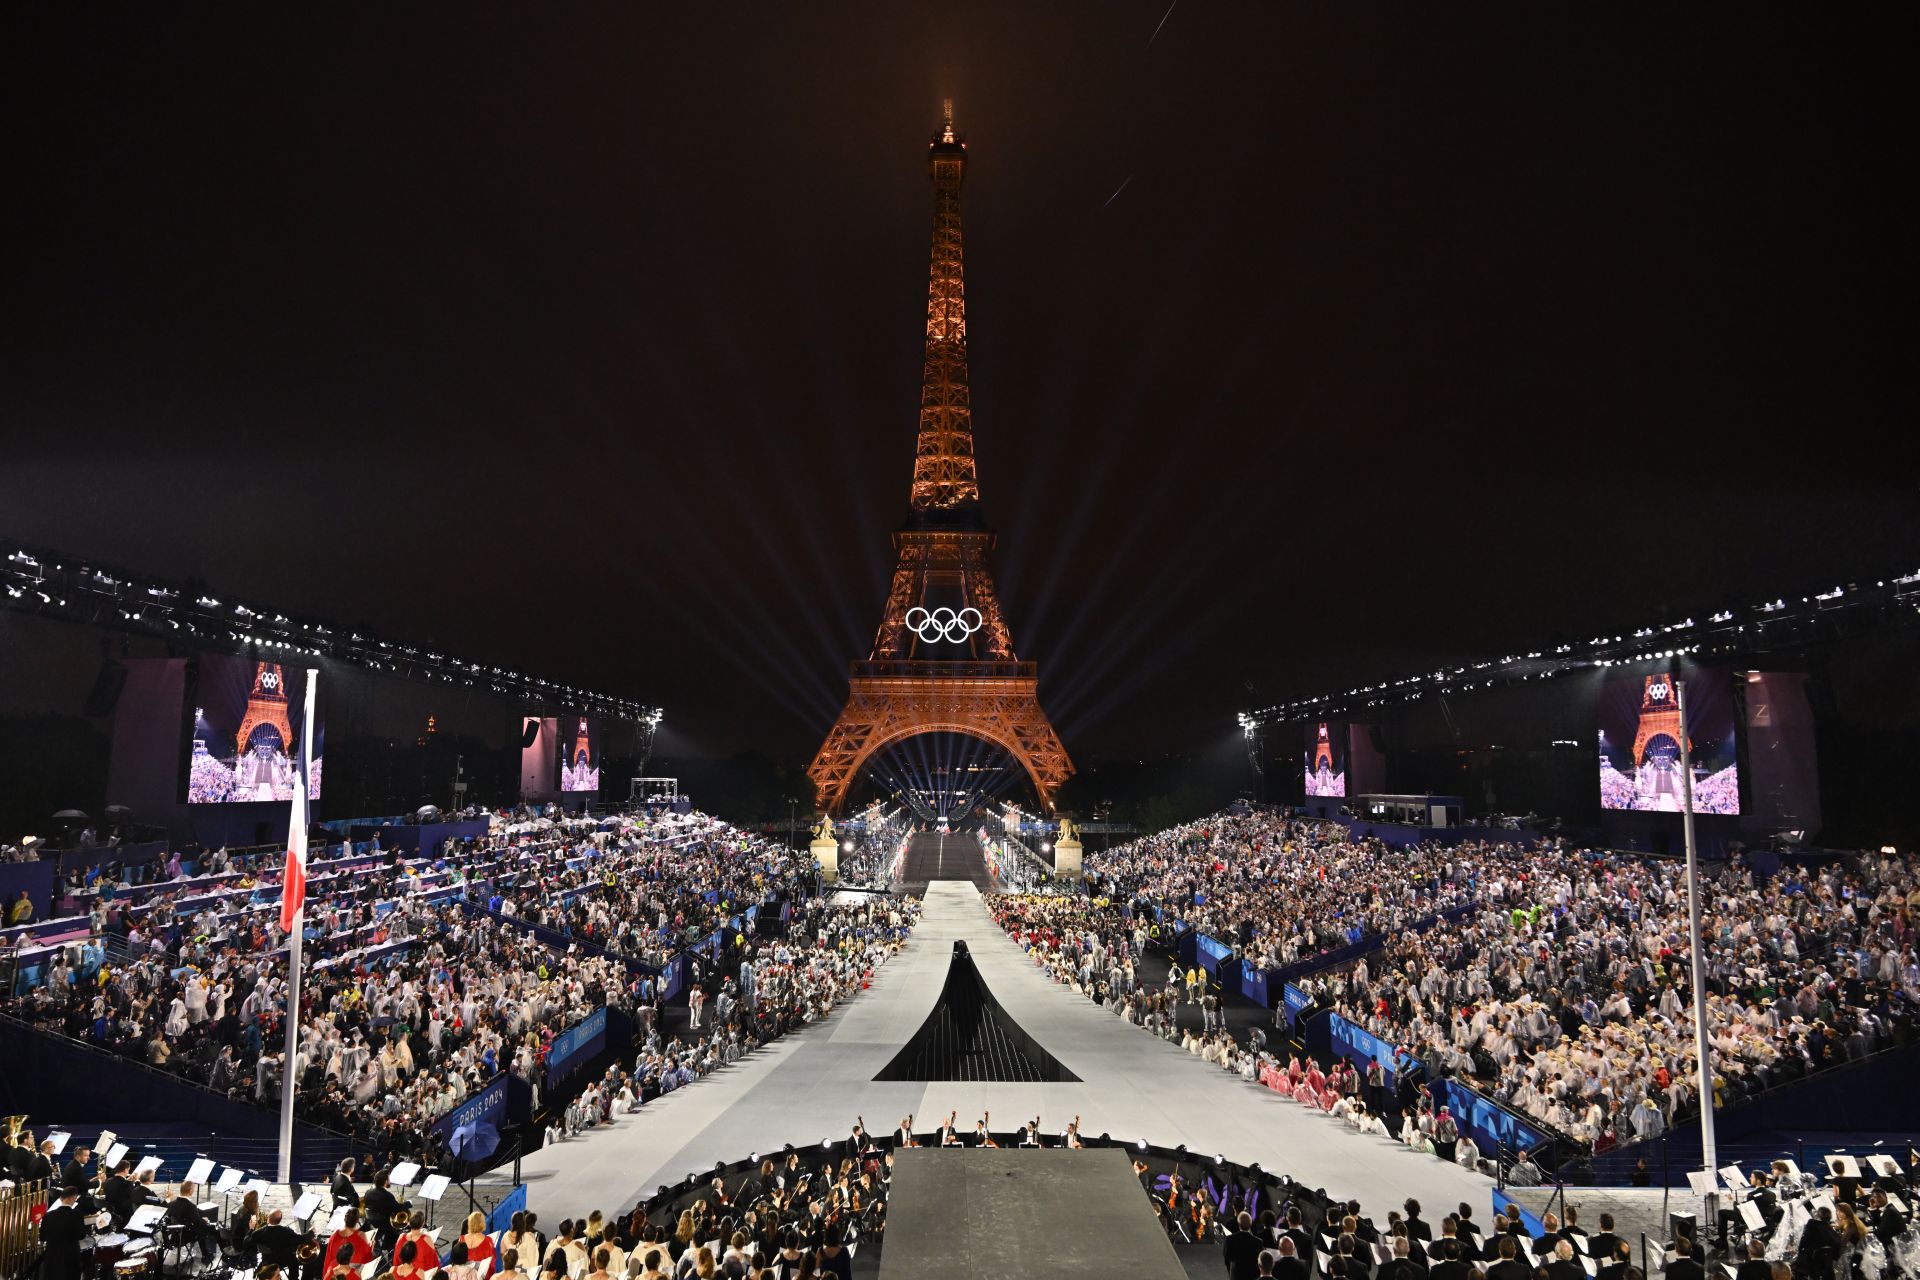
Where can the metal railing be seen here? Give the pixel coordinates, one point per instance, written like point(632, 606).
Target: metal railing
point(987, 670)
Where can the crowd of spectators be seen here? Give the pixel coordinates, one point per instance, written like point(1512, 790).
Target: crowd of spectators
point(422, 980)
point(1555, 979)
point(781, 985)
point(1568, 993)
point(1280, 889)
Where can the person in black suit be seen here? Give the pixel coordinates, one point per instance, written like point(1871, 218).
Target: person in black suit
point(1447, 1264)
point(1417, 1227)
point(61, 1229)
point(1615, 1265)
point(276, 1243)
point(1509, 1267)
point(343, 1192)
point(122, 1195)
point(1297, 1234)
point(378, 1209)
point(1402, 1267)
point(1820, 1246)
point(1464, 1225)
point(1685, 1266)
point(184, 1214)
point(1564, 1266)
point(36, 1166)
point(1756, 1266)
point(1241, 1252)
point(1888, 1222)
point(74, 1172)
point(1604, 1247)
point(1290, 1265)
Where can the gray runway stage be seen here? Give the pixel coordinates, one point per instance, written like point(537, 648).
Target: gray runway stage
point(810, 1086)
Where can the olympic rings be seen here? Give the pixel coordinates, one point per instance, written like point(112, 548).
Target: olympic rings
point(943, 623)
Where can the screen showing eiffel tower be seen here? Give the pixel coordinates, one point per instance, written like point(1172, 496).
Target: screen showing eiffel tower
point(1327, 758)
point(246, 732)
point(579, 753)
point(1640, 743)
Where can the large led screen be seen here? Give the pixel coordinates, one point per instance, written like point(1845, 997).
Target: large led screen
point(1640, 743)
point(1326, 758)
point(579, 753)
point(246, 732)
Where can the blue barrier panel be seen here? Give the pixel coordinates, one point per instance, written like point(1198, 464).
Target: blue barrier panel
point(573, 1048)
point(1492, 1126)
point(501, 1219)
point(1360, 1046)
point(472, 1129)
point(1253, 984)
point(1504, 1203)
point(1296, 1000)
point(1210, 952)
point(675, 978)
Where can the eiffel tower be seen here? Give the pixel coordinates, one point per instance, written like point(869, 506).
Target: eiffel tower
point(943, 659)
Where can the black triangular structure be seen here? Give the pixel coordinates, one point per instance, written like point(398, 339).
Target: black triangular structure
point(968, 1036)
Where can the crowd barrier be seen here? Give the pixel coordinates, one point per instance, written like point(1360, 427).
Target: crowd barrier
point(573, 1048)
point(1493, 1126)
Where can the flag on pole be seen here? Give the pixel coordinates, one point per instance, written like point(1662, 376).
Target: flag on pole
point(293, 887)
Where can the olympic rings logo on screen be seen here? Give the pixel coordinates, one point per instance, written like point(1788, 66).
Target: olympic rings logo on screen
point(943, 623)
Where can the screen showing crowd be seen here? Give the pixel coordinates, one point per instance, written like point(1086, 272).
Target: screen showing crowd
point(1640, 743)
point(1326, 759)
point(246, 732)
point(579, 753)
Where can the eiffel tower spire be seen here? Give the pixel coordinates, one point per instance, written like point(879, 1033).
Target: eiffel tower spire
point(943, 472)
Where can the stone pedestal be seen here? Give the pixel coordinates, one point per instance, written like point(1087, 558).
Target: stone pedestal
point(1066, 859)
point(826, 855)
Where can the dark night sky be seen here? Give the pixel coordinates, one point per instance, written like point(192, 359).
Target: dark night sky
point(587, 337)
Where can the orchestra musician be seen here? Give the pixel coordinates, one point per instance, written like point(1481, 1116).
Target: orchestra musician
point(343, 1191)
point(348, 1247)
point(35, 1166)
point(379, 1208)
point(74, 1172)
point(123, 1195)
point(981, 1137)
point(61, 1229)
point(903, 1136)
point(185, 1215)
point(425, 1257)
point(276, 1243)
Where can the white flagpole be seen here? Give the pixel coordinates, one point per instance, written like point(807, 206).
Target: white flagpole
point(294, 940)
point(1702, 1046)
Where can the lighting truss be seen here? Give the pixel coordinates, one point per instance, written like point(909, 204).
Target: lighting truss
point(49, 583)
point(1728, 635)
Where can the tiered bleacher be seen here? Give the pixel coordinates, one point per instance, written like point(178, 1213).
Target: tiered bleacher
point(1551, 981)
point(430, 976)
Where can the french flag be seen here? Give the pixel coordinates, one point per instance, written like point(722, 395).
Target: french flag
point(293, 887)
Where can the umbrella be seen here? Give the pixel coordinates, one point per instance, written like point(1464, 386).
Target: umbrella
point(474, 1141)
point(70, 815)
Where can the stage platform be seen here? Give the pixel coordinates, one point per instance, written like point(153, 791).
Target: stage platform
point(811, 1085)
point(959, 1215)
point(932, 856)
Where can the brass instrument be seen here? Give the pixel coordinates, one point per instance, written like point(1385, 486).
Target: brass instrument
point(14, 1125)
point(402, 1221)
point(309, 1250)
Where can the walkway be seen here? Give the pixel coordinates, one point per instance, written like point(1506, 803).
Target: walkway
point(811, 1085)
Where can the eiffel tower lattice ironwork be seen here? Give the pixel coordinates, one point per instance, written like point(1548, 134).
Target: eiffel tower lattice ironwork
point(943, 658)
